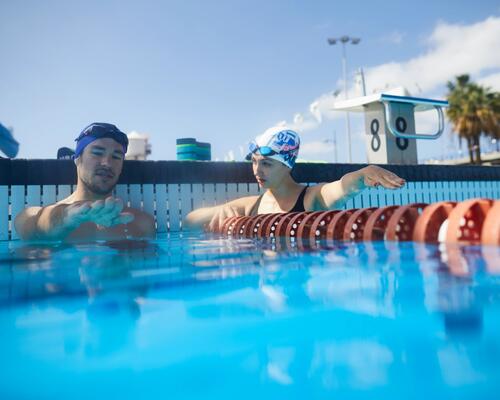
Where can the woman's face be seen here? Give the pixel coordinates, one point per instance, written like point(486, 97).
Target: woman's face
point(269, 173)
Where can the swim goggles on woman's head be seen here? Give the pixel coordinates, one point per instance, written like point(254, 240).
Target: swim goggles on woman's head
point(263, 150)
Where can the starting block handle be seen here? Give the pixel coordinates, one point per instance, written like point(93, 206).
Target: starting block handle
point(394, 130)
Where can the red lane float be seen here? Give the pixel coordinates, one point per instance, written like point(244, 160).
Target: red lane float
point(227, 226)
point(239, 229)
point(273, 225)
point(376, 224)
point(335, 228)
point(319, 226)
point(431, 221)
point(304, 229)
point(253, 226)
point(281, 227)
point(402, 222)
point(355, 225)
point(490, 233)
point(294, 223)
point(471, 221)
point(466, 221)
point(264, 224)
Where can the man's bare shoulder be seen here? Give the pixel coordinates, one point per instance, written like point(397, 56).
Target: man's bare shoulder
point(29, 212)
point(69, 200)
point(25, 220)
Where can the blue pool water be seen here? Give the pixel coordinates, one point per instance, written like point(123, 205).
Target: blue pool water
point(190, 317)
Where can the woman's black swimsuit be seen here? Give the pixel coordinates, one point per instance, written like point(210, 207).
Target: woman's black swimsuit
point(298, 206)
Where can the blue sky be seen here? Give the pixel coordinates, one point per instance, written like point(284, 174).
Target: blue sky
point(225, 71)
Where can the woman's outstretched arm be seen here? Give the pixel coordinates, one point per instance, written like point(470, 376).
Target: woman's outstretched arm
point(336, 194)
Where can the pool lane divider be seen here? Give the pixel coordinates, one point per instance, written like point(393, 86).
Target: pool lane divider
point(475, 221)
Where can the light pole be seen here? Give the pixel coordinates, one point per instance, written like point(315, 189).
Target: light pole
point(343, 40)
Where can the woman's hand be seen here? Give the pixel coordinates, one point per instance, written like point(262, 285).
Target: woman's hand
point(224, 211)
point(374, 176)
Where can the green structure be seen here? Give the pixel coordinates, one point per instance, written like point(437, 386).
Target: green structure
point(189, 149)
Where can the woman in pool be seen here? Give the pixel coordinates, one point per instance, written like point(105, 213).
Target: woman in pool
point(273, 156)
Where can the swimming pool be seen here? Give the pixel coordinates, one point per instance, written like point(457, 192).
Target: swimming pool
point(189, 317)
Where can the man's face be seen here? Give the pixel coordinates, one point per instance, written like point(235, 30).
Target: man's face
point(100, 165)
point(269, 173)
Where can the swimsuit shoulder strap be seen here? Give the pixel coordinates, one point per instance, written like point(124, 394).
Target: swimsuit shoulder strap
point(299, 204)
point(255, 207)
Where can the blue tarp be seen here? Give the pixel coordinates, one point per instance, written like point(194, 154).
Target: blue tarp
point(8, 144)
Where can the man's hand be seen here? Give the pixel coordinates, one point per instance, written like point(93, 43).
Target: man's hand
point(104, 213)
point(224, 211)
point(374, 176)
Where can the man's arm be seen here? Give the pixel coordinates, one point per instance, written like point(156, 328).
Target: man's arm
point(26, 221)
point(336, 194)
point(57, 221)
point(43, 223)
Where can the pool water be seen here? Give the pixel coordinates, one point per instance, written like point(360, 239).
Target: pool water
point(203, 317)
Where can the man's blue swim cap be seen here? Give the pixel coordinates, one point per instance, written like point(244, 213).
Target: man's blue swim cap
point(99, 130)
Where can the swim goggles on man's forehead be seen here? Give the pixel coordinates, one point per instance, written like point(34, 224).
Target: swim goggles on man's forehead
point(100, 130)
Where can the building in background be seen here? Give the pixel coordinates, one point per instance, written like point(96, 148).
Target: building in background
point(138, 146)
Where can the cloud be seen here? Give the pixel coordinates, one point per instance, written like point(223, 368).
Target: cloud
point(451, 50)
point(394, 37)
point(318, 110)
point(318, 147)
point(323, 26)
point(492, 81)
point(315, 111)
point(325, 149)
point(301, 123)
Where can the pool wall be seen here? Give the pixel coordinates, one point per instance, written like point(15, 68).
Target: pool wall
point(171, 189)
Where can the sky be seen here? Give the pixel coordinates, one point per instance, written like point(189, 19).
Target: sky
point(225, 71)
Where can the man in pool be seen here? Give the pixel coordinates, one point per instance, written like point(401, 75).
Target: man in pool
point(273, 156)
point(90, 212)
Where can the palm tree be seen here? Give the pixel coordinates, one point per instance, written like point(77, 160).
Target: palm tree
point(495, 102)
point(473, 110)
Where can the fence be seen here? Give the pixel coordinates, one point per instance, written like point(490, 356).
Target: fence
point(169, 190)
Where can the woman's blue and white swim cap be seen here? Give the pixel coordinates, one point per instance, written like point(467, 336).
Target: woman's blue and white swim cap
point(279, 143)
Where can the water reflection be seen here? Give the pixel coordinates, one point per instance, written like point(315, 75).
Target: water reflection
point(49, 277)
point(322, 318)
